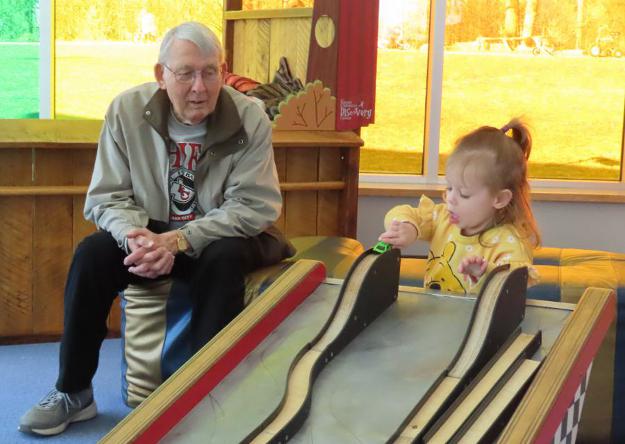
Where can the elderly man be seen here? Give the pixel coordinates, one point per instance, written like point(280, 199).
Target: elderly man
point(184, 186)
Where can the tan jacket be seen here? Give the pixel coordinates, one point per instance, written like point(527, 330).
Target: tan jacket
point(236, 180)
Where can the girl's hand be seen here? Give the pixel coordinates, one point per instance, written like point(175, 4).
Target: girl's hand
point(399, 234)
point(473, 267)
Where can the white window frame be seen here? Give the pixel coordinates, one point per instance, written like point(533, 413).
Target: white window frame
point(433, 106)
point(46, 59)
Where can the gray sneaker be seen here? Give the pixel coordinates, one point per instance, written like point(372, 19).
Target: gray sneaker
point(56, 410)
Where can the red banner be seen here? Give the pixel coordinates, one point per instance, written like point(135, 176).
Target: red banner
point(356, 64)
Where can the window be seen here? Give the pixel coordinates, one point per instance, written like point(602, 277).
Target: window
point(103, 48)
point(19, 59)
point(535, 59)
point(559, 67)
point(395, 143)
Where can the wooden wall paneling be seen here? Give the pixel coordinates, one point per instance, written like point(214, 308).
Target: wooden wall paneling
point(53, 166)
point(82, 169)
point(15, 167)
point(280, 159)
point(301, 206)
point(251, 50)
point(349, 196)
point(52, 240)
point(279, 155)
point(83, 161)
point(52, 252)
point(16, 290)
point(230, 5)
point(290, 39)
point(16, 302)
point(81, 227)
point(329, 202)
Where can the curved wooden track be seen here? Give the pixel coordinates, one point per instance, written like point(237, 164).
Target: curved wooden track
point(499, 310)
point(359, 303)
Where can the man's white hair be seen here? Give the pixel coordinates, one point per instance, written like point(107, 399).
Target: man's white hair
point(196, 33)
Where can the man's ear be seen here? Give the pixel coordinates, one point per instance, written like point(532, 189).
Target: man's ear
point(502, 198)
point(159, 72)
point(224, 69)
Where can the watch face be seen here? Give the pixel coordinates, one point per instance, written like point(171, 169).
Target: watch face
point(182, 242)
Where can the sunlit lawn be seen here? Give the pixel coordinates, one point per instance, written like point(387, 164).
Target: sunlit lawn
point(574, 104)
point(19, 81)
point(89, 75)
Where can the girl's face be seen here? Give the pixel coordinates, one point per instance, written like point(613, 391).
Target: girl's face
point(471, 204)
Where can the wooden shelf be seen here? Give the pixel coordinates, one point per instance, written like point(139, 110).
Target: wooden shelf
point(84, 134)
point(77, 190)
point(70, 190)
point(269, 14)
point(321, 139)
point(48, 134)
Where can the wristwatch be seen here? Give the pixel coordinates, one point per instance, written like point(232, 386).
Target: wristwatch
point(181, 242)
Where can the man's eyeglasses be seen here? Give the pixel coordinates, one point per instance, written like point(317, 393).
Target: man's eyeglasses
point(208, 75)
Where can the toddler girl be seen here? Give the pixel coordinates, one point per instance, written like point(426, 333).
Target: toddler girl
point(486, 219)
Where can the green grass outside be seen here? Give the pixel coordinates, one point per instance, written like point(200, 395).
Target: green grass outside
point(89, 75)
point(19, 81)
point(573, 104)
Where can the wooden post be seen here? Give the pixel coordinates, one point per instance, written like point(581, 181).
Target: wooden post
point(348, 28)
point(228, 39)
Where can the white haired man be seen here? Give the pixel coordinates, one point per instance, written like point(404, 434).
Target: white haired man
point(185, 187)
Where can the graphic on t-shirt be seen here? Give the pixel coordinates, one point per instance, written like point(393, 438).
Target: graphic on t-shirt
point(183, 159)
point(438, 272)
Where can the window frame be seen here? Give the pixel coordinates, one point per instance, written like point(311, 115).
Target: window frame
point(47, 61)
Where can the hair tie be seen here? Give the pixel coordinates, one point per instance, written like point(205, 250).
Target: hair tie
point(504, 129)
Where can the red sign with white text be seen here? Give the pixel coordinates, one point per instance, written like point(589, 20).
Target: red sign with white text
point(357, 58)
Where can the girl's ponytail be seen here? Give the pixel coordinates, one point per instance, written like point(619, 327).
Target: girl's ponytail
point(520, 134)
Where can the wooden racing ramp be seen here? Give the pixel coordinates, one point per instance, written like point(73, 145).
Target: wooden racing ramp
point(370, 287)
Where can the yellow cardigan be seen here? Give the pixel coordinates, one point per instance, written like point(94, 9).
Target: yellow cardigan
point(499, 245)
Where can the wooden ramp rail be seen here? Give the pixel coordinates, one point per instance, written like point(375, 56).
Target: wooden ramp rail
point(544, 406)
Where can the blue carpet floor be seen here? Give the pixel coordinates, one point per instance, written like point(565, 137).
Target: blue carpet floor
point(28, 372)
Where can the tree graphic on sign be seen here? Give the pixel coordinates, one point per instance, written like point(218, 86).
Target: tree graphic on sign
point(310, 109)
